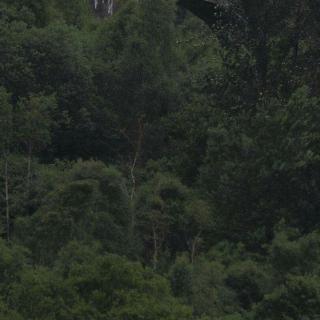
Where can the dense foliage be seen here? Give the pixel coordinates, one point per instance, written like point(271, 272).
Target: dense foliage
point(158, 165)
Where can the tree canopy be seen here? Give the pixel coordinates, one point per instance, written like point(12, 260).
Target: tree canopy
point(159, 160)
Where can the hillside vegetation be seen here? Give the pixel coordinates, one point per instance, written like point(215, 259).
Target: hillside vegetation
point(160, 164)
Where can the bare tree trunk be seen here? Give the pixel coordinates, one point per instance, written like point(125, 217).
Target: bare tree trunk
point(132, 194)
point(137, 154)
point(103, 8)
point(194, 244)
point(136, 144)
point(6, 179)
point(110, 7)
point(132, 175)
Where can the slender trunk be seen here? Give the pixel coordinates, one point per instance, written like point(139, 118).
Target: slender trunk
point(194, 244)
point(110, 7)
point(132, 175)
point(138, 146)
point(6, 179)
point(103, 8)
point(132, 193)
point(137, 154)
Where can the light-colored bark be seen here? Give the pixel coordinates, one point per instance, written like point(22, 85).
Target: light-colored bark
point(194, 246)
point(136, 144)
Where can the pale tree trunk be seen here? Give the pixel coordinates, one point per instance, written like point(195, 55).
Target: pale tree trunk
point(103, 8)
point(137, 154)
point(132, 194)
point(194, 244)
point(137, 146)
point(110, 6)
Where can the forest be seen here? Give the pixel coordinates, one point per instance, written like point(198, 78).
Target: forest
point(160, 160)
